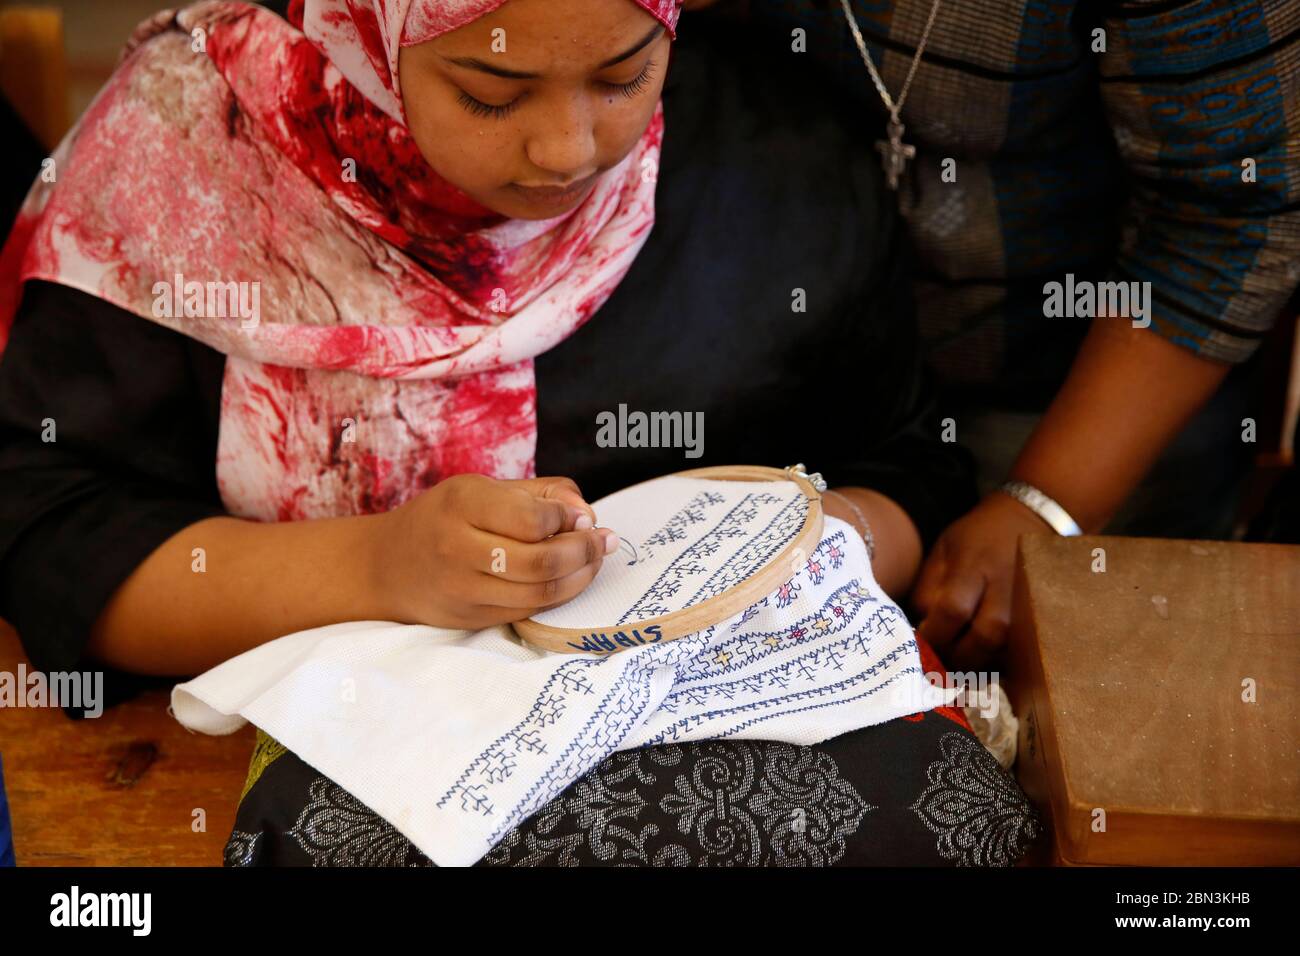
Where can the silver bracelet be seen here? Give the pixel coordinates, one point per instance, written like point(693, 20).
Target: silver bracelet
point(1057, 517)
point(868, 538)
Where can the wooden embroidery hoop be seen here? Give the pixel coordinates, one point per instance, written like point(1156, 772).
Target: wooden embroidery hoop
point(721, 606)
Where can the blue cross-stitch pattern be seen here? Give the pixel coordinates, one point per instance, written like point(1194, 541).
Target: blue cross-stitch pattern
point(761, 549)
point(742, 650)
point(497, 762)
point(837, 700)
point(615, 717)
point(746, 648)
point(734, 524)
point(806, 668)
point(768, 708)
point(694, 512)
point(615, 714)
point(838, 655)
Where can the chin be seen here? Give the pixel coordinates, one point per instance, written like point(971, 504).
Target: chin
point(519, 209)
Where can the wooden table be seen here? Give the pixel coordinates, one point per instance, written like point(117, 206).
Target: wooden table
point(1130, 683)
point(1133, 687)
point(118, 790)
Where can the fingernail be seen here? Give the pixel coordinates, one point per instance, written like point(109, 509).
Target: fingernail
point(584, 522)
point(611, 543)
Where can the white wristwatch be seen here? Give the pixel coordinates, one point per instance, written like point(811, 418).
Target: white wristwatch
point(1057, 517)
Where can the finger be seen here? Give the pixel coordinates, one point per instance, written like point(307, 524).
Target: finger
point(959, 596)
point(926, 590)
point(513, 511)
point(988, 631)
point(565, 490)
point(550, 484)
point(479, 616)
point(528, 599)
point(557, 557)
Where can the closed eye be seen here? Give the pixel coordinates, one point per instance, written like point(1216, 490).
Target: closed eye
point(633, 88)
point(487, 110)
point(638, 84)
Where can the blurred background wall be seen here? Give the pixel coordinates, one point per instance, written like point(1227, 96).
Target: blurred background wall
point(92, 35)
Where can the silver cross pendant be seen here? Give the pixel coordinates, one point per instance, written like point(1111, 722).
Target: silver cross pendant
point(894, 153)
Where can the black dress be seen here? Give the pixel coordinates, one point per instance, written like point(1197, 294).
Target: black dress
point(765, 196)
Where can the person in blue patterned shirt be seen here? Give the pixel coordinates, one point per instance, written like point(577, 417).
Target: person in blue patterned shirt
point(6, 830)
point(1062, 145)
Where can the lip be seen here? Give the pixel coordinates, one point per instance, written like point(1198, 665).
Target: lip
point(552, 197)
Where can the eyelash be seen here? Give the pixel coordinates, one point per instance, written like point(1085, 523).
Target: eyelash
point(479, 108)
point(630, 90)
point(638, 83)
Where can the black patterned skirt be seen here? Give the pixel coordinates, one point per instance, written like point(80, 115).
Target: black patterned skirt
point(916, 791)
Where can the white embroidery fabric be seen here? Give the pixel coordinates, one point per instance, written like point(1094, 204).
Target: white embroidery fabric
point(456, 737)
point(689, 540)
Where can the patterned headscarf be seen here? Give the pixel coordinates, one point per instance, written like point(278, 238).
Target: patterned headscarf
point(397, 318)
point(364, 37)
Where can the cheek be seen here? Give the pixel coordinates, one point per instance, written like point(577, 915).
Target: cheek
point(462, 149)
point(480, 156)
point(622, 123)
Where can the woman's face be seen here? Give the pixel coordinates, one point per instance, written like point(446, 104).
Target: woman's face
point(523, 108)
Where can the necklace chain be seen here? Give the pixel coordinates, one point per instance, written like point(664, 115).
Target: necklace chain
point(894, 108)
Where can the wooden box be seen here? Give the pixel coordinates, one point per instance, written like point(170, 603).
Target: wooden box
point(1157, 699)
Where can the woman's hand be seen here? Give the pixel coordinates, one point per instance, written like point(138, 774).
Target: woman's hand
point(1119, 368)
point(473, 551)
point(967, 581)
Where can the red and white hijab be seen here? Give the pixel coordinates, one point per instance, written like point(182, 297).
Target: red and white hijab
point(396, 319)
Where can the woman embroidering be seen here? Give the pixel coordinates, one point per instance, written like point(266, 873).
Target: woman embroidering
point(465, 220)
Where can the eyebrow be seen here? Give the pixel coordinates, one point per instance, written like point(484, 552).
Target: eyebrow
point(473, 63)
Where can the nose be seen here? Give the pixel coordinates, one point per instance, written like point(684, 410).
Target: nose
point(564, 143)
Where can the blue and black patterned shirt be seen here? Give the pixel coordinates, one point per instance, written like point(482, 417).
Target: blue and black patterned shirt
point(1128, 164)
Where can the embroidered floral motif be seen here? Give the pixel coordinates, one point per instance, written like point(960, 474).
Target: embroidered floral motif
point(786, 593)
point(336, 829)
point(974, 807)
point(592, 800)
point(241, 848)
point(739, 804)
point(715, 804)
point(812, 808)
point(266, 752)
